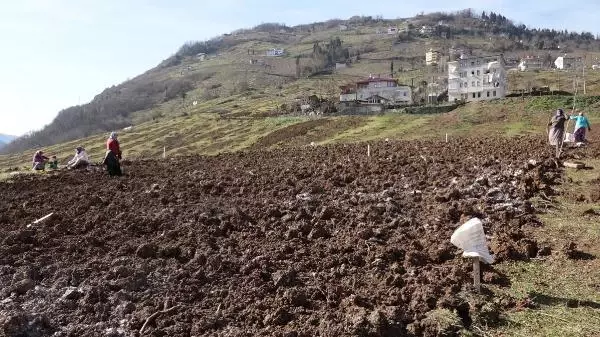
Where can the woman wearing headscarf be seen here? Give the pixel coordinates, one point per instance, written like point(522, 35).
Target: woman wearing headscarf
point(556, 133)
point(581, 125)
point(39, 161)
point(113, 156)
point(112, 144)
point(80, 160)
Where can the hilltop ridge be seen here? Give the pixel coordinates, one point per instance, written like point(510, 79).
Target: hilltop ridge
point(233, 75)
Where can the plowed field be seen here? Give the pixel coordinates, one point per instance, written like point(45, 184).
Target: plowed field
point(316, 241)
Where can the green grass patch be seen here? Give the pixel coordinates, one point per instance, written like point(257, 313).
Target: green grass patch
point(566, 291)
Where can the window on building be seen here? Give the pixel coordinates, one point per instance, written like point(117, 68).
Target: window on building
point(478, 94)
point(477, 72)
point(473, 72)
point(473, 95)
point(478, 83)
point(465, 85)
point(405, 94)
point(461, 84)
point(494, 93)
point(473, 83)
point(488, 94)
point(472, 63)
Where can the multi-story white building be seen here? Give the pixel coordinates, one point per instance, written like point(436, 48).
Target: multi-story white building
point(477, 78)
point(432, 57)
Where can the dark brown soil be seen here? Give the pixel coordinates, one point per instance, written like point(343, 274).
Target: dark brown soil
point(320, 241)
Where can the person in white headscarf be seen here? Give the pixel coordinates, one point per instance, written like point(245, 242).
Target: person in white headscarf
point(112, 144)
point(80, 160)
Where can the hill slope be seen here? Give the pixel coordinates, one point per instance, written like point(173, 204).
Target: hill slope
point(210, 134)
point(235, 78)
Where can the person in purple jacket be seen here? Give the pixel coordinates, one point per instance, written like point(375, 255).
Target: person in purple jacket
point(39, 161)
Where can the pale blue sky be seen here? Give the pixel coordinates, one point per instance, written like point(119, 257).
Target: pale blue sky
point(58, 53)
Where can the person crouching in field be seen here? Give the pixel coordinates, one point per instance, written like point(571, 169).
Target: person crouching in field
point(581, 124)
point(39, 161)
point(556, 133)
point(53, 163)
point(80, 160)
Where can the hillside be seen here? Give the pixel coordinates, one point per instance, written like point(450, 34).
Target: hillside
point(236, 79)
point(211, 134)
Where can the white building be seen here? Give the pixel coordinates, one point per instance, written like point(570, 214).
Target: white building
point(567, 62)
point(373, 90)
point(275, 52)
point(392, 30)
point(432, 57)
point(531, 64)
point(343, 28)
point(477, 78)
point(426, 30)
point(340, 65)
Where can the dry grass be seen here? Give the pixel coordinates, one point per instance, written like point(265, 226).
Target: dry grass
point(567, 291)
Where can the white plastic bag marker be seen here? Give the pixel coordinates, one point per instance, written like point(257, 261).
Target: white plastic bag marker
point(471, 239)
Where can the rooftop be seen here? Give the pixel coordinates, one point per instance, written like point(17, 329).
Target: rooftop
point(376, 79)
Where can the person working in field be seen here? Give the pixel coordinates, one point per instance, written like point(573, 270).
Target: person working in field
point(113, 156)
point(556, 133)
point(581, 125)
point(53, 163)
point(112, 144)
point(80, 160)
point(112, 164)
point(39, 161)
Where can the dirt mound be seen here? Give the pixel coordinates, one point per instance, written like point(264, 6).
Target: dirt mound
point(304, 242)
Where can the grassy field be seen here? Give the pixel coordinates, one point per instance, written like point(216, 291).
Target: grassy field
point(566, 292)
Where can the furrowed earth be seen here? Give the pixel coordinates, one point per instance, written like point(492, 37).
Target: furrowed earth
point(303, 241)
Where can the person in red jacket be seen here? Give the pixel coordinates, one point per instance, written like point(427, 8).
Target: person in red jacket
point(112, 144)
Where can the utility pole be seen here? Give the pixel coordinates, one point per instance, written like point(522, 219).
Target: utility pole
point(583, 66)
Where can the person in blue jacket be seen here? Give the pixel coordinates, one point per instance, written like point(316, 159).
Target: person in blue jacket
point(581, 125)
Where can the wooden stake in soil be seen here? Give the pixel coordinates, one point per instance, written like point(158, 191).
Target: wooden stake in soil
point(164, 152)
point(476, 275)
point(368, 150)
point(446, 138)
point(40, 220)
